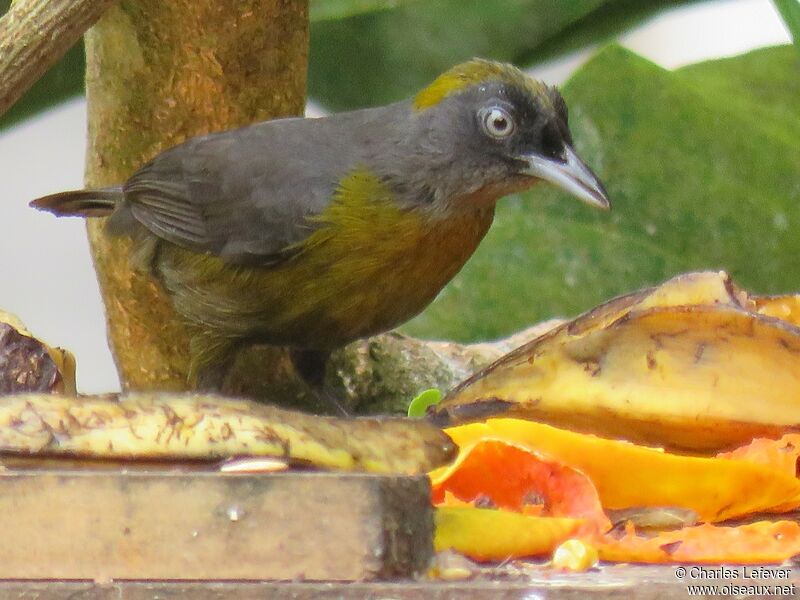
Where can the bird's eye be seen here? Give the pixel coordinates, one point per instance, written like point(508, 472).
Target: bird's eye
point(496, 122)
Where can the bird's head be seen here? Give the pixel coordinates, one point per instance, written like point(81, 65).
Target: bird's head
point(485, 129)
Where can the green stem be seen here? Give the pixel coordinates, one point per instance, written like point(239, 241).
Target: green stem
point(790, 11)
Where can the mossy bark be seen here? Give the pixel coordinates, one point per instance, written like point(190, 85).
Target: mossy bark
point(158, 73)
point(379, 375)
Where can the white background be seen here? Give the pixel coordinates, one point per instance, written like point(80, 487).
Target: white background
point(46, 277)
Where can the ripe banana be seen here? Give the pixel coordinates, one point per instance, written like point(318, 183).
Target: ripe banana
point(151, 426)
point(694, 364)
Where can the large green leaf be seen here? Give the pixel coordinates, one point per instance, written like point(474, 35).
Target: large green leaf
point(790, 11)
point(380, 57)
point(383, 56)
point(703, 169)
point(608, 20)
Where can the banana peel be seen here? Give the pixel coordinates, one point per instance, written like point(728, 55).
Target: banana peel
point(28, 364)
point(695, 364)
point(191, 427)
point(486, 534)
point(785, 308)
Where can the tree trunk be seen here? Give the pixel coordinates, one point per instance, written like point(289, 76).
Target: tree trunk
point(158, 73)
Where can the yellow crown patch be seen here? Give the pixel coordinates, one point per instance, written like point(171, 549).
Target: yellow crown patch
point(470, 73)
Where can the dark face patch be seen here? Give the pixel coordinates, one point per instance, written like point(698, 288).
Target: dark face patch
point(541, 122)
point(539, 119)
point(560, 106)
point(459, 147)
point(551, 140)
point(449, 125)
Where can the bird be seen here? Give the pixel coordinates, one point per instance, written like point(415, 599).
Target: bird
point(311, 233)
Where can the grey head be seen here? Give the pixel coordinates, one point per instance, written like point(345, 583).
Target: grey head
point(481, 131)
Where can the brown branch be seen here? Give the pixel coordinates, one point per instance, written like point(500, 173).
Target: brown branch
point(34, 35)
point(157, 73)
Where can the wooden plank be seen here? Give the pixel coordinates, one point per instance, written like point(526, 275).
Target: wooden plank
point(628, 582)
point(103, 525)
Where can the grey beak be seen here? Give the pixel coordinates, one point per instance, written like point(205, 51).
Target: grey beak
point(570, 174)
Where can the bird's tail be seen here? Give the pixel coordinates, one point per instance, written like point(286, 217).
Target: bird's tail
point(80, 203)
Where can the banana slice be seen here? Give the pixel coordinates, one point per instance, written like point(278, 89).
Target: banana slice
point(689, 365)
point(191, 426)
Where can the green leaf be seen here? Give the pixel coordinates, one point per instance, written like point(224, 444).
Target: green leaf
point(702, 169)
point(790, 11)
point(607, 21)
point(420, 404)
point(325, 10)
point(379, 57)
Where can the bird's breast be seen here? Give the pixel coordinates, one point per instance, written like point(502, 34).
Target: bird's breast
point(373, 264)
point(369, 265)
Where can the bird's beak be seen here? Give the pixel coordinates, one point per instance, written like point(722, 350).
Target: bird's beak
point(570, 174)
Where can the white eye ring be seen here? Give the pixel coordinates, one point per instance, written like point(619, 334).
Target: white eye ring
point(496, 122)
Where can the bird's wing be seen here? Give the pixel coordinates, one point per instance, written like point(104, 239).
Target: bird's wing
point(244, 195)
